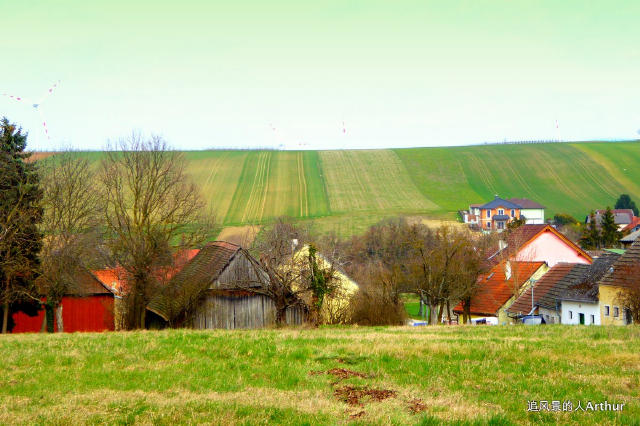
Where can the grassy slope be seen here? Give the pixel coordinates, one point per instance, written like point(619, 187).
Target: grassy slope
point(470, 374)
point(564, 177)
point(347, 191)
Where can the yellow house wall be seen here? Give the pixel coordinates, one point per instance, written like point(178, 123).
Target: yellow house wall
point(609, 297)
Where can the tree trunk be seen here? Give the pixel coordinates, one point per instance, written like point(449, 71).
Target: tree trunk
point(466, 309)
point(43, 328)
point(433, 313)
point(281, 315)
point(59, 318)
point(143, 315)
point(448, 311)
point(420, 309)
point(5, 317)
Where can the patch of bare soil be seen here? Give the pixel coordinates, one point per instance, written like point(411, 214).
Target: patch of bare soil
point(354, 395)
point(417, 406)
point(357, 415)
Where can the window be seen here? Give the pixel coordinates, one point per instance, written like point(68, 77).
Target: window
point(570, 314)
point(616, 312)
point(606, 311)
point(489, 213)
point(500, 211)
point(513, 213)
point(593, 319)
point(500, 225)
point(488, 225)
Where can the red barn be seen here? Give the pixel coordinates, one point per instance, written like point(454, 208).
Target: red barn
point(88, 308)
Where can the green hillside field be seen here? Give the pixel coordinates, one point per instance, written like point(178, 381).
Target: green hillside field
point(349, 190)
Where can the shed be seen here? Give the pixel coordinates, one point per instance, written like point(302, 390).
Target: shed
point(89, 307)
point(214, 290)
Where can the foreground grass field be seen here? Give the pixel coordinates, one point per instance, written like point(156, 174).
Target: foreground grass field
point(465, 375)
point(347, 191)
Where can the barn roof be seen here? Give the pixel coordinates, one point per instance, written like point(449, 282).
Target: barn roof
point(623, 271)
point(495, 289)
point(116, 278)
point(87, 284)
point(186, 287)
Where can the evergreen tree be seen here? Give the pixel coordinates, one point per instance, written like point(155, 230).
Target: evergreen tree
point(20, 213)
point(591, 235)
point(610, 233)
point(625, 202)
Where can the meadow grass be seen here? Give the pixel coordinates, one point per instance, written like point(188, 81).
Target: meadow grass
point(461, 375)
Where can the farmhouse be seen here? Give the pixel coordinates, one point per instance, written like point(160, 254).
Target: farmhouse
point(541, 243)
point(495, 214)
point(89, 307)
point(218, 288)
point(621, 279)
point(498, 289)
point(567, 293)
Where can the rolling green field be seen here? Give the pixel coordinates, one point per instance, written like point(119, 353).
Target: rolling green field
point(349, 190)
point(403, 375)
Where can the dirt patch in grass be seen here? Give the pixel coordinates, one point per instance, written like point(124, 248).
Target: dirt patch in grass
point(417, 406)
point(358, 395)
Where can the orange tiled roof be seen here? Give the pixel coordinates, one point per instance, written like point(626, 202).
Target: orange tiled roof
point(495, 289)
point(116, 278)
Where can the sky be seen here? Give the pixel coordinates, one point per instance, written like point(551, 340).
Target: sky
point(322, 74)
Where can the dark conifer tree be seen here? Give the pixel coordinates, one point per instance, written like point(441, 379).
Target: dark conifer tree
point(20, 213)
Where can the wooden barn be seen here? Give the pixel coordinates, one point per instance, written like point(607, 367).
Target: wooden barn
point(88, 308)
point(212, 291)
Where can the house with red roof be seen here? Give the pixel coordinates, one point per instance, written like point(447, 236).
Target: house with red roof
point(498, 289)
point(541, 243)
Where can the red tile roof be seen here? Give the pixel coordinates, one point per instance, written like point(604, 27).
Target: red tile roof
point(495, 289)
point(116, 278)
point(522, 304)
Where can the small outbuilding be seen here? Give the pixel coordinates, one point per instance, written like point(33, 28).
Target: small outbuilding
point(218, 288)
point(89, 307)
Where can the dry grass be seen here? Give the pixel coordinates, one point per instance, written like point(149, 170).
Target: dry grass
point(402, 375)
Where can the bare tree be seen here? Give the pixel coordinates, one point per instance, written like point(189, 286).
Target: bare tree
point(70, 223)
point(152, 210)
point(294, 275)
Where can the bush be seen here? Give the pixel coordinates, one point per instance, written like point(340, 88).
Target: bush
point(564, 219)
point(376, 305)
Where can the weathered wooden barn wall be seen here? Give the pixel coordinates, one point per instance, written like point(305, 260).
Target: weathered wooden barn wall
point(240, 273)
point(241, 310)
point(230, 304)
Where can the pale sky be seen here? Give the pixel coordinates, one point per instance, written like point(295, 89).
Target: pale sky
point(208, 74)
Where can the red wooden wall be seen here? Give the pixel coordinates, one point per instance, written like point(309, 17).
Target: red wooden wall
point(92, 313)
